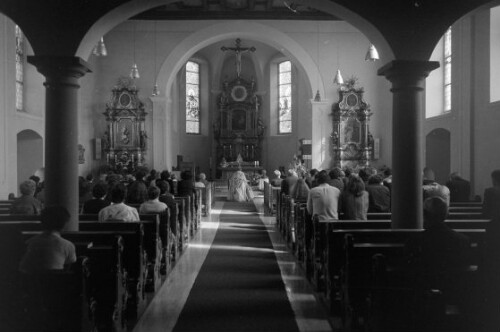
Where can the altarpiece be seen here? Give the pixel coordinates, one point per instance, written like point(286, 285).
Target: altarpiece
point(125, 139)
point(351, 140)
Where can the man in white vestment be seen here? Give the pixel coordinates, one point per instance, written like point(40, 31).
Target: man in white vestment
point(239, 190)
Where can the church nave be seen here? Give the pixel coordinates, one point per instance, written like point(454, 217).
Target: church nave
point(235, 275)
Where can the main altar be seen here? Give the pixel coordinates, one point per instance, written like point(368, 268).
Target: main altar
point(238, 126)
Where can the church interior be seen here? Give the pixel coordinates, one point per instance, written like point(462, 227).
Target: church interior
point(92, 87)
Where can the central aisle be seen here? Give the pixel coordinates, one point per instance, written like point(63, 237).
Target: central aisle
point(239, 287)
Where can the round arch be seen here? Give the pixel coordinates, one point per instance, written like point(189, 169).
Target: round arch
point(242, 29)
point(116, 16)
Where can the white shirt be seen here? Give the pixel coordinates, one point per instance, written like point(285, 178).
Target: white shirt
point(323, 200)
point(153, 206)
point(118, 211)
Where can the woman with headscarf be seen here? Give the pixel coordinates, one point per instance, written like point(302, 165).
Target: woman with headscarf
point(239, 190)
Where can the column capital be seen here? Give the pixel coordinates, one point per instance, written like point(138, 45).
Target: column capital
point(408, 72)
point(64, 69)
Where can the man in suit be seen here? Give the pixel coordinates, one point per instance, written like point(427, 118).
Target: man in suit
point(491, 203)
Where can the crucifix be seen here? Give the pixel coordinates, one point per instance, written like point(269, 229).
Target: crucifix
point(238, 51)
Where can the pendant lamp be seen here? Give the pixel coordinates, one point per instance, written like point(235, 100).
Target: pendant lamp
point(100, 48)
point(371, 54)
point(134, 72)
point(338, 78)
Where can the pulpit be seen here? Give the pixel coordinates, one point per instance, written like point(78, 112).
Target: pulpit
point(125, 139)
point(351, 141)
point(238, 128)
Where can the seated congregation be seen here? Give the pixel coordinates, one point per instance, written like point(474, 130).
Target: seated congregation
point(377, 278)
point(132, 231)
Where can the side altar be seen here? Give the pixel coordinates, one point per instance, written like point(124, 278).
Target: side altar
point(351, 141)
point(125, 139)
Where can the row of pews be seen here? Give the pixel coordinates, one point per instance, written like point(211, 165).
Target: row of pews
point(360, 269)
point(121, 265)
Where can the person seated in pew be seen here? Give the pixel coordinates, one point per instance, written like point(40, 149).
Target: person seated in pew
point(354, 200)
point(48, 250)
point(336, 179)
point(27, 203)
point(311, 178)
point(153, 204)
point(301, 191)
point(197, 182)
point(276, 181)
point(323, 200)
point(137, 191)
point(165, 195)
point(263, 178)
point(203, 179)
point(118, 210)
point(379, 196)
point(431, 188)
point(97, 203)
point(185, 187)
point(441, 252)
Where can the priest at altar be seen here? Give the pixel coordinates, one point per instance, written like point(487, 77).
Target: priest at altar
point(239, 189)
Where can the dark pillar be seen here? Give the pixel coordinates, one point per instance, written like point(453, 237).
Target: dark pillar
point(408, 79)
point(61, 130)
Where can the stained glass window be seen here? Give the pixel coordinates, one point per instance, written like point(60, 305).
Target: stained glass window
point(192, 98)
point(285, 97)
point(19, 69)
point(447, 70)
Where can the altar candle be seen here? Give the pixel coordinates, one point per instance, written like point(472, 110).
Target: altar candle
point(116, 158)
point(132, 159)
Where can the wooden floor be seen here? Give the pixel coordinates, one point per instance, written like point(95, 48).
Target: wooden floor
point(165, 308)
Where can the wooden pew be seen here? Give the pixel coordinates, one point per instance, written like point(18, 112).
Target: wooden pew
point(57, 300)
point(151, 242)
point(390, 285)
point(105, 290)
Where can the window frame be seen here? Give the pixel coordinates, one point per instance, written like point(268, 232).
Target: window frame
point(447, 71)
point(198, 65)
point(290, 97)
point(20, 68)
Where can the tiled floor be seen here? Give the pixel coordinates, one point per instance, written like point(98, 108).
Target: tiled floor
point(164, 310)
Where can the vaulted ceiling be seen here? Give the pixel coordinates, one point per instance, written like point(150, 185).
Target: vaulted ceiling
point(234, 9)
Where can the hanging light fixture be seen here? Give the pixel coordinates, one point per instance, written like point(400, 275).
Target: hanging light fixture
point(156, 91)
point(134, 72)
point(371, 54)
point(100, 48)
point(338, 76)
point(338, 79)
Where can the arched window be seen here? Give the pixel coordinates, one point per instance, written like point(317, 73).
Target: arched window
point(192, 98)
point(285, 97)
point(447, 70)
point(19, 69)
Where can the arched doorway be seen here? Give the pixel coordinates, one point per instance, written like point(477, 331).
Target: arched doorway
point(29, 154)
point(437, 153)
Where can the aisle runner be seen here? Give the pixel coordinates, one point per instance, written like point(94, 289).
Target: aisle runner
point(239, 287)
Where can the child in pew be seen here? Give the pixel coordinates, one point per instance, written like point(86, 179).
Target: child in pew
point(49, 251)
point(153, 204)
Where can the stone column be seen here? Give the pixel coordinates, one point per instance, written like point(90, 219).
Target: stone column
point(408, 84)
point(321, 130)
point(61, 130)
